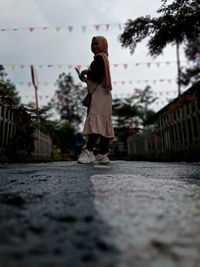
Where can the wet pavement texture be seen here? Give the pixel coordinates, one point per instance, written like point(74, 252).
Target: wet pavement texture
point(126, 214)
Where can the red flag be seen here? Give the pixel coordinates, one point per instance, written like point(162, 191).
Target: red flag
point(31, 29)
point(97, 27)
point(78, 67)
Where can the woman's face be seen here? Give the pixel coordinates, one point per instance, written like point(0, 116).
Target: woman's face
point(95, 46)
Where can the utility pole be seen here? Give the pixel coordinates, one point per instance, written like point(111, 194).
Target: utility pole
point(178, 68)
point(35, 83)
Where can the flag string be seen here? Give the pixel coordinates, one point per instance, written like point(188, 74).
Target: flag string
point(80, 66)
point(69, 28)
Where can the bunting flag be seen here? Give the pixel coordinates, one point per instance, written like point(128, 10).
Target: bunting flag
point(115, 65)
point(159, 102)
point(70, 28)
point(158, 93)
point(122, 82)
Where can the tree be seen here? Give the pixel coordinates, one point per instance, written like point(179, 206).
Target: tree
point(8, 92)
point(178, 23)
point(129, 116)
point(125, 113)
point(192, 52)
point(132, 112)
point(68, 100)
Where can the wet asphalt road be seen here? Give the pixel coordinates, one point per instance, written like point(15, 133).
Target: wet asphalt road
point(135, 214)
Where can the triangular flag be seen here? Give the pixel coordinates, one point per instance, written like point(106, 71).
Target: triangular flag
point(125, 66)
point(158, 64)
point(59, 66)
point(78, 67)
point(45, 28)
point(115, 65)
point(123, 82)
point(22, 66)
point(84, 28)
point(31, 29)
point(29, 84)
point(57, 28)
point(13, 67)
point(15, 29)
point(40, 66)
point(70, 28)
point(148, 64)
point(45, 84)
point(69, 66)
point(120, 26)
point(107, 26)
point(97, 27)
point(50, 65)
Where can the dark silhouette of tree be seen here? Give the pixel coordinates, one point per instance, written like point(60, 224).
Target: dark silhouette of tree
point(132, 112)
point(192, 52)
point(8, 92)
point(178, 23)
point(68, 100)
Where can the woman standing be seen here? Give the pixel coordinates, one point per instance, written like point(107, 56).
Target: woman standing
point(98, 125)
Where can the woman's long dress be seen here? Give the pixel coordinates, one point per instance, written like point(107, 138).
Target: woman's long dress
point(99, 119)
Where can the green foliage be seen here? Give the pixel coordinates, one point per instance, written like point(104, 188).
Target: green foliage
point(178, 23)
point(125, 113)
point(8, 93)
point(68, 100)
point(132, 112)
point(67, 136)
point(62, 134)
point(129, 116)
point(192, 52)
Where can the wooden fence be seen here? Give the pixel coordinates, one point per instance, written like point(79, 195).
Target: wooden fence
point(42, 144)
point(17, 136)
point(174, 128)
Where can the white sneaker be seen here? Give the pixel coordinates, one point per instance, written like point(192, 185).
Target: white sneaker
point(102, 159)
point(86, 157)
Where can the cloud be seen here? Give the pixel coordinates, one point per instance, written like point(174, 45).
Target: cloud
point(62, 47)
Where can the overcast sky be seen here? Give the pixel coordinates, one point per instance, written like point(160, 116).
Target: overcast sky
point(53, 50)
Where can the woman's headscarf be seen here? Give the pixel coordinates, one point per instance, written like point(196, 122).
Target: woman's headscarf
point(103, 52)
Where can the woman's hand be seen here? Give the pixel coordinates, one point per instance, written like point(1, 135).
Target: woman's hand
point(82, 75)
